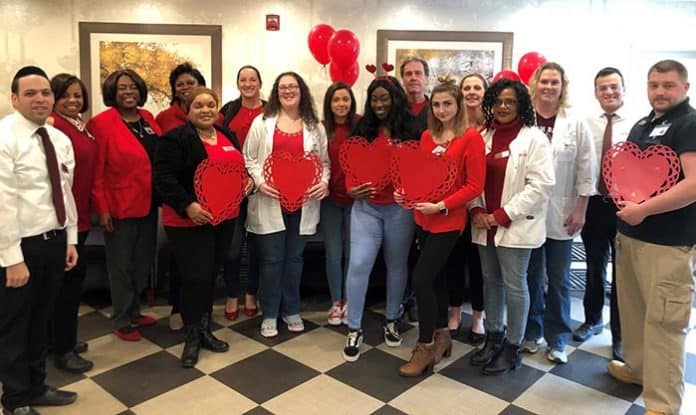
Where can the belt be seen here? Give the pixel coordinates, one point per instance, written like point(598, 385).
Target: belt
point(47, 236)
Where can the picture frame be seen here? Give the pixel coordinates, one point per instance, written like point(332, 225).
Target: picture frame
point(447, 52)
point(152, 50)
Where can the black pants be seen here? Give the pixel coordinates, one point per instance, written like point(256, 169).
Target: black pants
point(24, 316)
point(63, 327)
point(464, 264)
point(199, 252)
point(598, 237)
point(430, 282)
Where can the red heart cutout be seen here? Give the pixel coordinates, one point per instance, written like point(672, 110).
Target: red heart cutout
point(365, 162)
point(292, 175)
point(636, 176)
point(388, 67)
point(219, 187)
point(423, 176)
point(371, 68)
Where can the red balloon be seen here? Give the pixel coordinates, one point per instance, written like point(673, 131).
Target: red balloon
point(506, 74)
point(348, 75)
point(344, 48)
point(529, 62)
point(318, 41)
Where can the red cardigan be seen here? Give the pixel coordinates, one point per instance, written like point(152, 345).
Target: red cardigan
point(172, 117)
point(468, 152)
point(85, 149)
point(123, 175)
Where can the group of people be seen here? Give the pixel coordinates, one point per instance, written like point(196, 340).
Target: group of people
point(527, 184)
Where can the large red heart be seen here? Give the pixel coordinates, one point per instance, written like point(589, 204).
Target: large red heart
point(366, 162)
point(219, 187)
point(636, 176)
point(423, 176)
point(292, 175)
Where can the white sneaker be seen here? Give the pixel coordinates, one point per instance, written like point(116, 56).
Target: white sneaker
point(294, 322)
point(269, 327)
point(557, 355)
point(335, 315)
point(344, 313)
point(531, 346)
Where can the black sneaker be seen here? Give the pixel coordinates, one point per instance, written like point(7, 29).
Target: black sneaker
point(352, 350)
point(391, 334)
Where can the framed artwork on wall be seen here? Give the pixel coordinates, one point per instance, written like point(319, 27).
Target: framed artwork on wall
point(447, 52)
point(151, 50)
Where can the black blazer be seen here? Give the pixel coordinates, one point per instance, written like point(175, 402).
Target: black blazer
point(178, 154)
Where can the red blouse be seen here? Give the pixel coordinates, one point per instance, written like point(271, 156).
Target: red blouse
point(289, 142)
point(241, 122)
point(337, 182)
point(468, 152)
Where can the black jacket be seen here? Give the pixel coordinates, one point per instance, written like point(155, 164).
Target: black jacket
point(178, 154)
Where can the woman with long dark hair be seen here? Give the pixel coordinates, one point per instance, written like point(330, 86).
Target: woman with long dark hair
point(339, 120)
point(376, 220)
point(289, 124)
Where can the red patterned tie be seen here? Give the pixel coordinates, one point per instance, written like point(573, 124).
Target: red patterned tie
point(54, 173)
point(606, 144)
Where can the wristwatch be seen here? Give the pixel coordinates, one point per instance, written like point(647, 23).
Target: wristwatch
point(443, 208)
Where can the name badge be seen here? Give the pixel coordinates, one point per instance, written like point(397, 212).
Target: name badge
point(228, 148)
point(439, 150)
point(502, 155)
point(149, 130)
point(660, 130)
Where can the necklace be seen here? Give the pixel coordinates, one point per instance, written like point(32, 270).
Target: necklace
point(208, 135)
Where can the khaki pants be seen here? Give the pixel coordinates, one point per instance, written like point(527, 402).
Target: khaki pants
point(655, 290)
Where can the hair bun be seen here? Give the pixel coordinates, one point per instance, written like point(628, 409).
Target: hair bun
point(447, 79)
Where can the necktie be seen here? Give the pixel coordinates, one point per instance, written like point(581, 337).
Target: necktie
point(54, 174)
point(606, 144)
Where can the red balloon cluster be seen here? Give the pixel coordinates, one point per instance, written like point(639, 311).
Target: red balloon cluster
point(339, 49)
point(529, 63)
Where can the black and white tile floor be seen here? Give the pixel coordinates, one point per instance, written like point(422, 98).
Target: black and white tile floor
point(306, 374)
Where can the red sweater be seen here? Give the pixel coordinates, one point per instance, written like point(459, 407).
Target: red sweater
point(468, 152)
point(85, 149)
point(123, 174)
point(172, 117)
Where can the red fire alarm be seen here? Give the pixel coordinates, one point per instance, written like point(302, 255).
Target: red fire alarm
point(272, 22)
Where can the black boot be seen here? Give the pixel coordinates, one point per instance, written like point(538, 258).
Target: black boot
point(189, 357)
point(506, 361)
point(491, 350)
point(208, 340)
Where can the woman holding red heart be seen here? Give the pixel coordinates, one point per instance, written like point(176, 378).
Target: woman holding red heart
point(199, 239)
point(509, 218)
point(376, 220)
point(339, 119)
point(289, 129)
point(439, 224)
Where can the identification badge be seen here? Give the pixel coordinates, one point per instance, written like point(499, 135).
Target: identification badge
point(149, 130)
point(502, 155)
point(228, 148)
point(439, 150)
point(660, 130)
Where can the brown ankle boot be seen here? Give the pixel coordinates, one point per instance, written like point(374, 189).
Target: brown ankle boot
point(422, 360)
point(443, 344)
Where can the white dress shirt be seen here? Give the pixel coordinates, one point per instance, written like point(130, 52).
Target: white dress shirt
point(620, 127)
point(26, 205)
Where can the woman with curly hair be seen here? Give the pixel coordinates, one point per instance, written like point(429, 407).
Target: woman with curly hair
point(376, 220)
point(290, 124)
point(509, 218)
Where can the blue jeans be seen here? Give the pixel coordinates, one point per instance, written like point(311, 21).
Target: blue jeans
point(335, 229)
point(233, 261)
point(505, 283)
point(281, 268)
point(552, 319)
point(372, 226)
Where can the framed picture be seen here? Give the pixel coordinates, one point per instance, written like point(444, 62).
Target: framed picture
point(151, 50)
point(447, 52)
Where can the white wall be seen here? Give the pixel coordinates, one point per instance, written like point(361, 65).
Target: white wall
point(581, 35)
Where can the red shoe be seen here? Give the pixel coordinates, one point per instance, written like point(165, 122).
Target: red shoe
point(250, 312)
point(143, 321)
point(232, 315)
point(129, 334)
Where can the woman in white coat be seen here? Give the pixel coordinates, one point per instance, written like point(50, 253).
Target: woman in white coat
point(509, 218)
point(289, 123)
point(575, 166)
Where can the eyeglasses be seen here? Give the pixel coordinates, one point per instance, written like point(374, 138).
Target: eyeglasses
point(288, 88)
point(507, 102)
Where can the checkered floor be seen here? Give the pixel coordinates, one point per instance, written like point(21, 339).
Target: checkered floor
point(306, 374)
